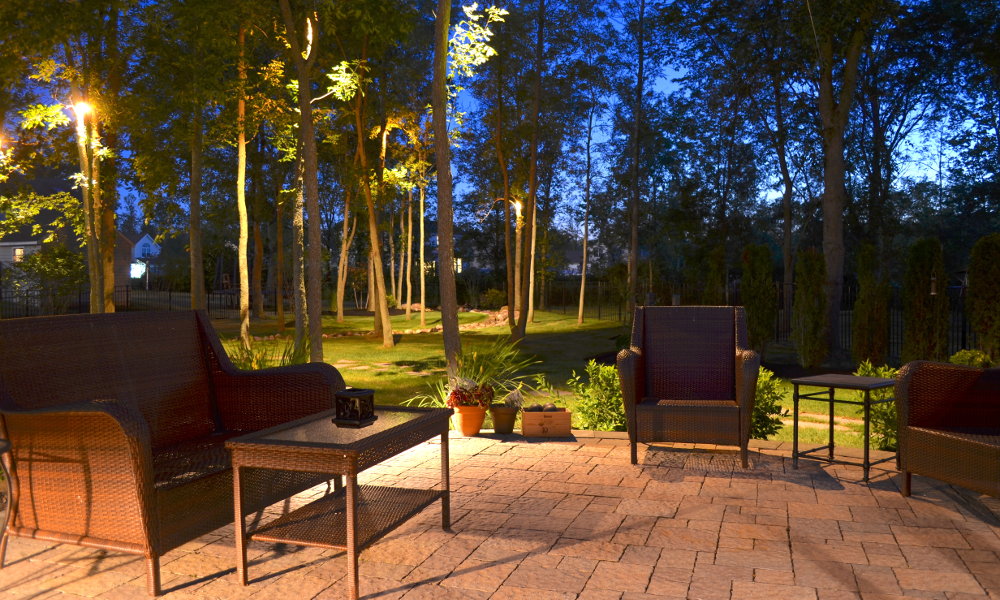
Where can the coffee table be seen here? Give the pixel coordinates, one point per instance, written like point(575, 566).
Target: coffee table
point(834, 382)
point(352, 517)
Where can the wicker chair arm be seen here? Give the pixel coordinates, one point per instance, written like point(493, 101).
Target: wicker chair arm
point(922, 387)
point(747, 370)
point(631, 375)
point(253, 400)
point(108, 443)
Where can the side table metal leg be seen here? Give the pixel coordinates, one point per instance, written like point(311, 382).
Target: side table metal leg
point(795, 427)
point(352, 535)
point(11, 502)
point(241, 542)
point(445, 483)
point(830, 450)
point(868, 413)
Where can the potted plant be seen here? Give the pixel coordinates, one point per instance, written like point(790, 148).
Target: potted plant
point(469, 399)
point(505, 413)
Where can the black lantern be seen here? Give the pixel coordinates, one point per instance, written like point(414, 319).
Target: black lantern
point(355, 407)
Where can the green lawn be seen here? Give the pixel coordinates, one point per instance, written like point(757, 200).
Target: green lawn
point(401, 372)
point(555, 340)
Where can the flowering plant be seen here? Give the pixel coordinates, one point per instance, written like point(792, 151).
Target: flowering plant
point(466, 392)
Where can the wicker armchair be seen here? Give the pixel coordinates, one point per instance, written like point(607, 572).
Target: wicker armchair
point(688, 376)
point(117, 424)
point(949, 425)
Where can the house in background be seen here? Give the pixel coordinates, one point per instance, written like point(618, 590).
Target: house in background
point(145, 249)
point(14, 247)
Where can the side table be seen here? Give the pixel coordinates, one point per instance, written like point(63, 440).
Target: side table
point(834, 382)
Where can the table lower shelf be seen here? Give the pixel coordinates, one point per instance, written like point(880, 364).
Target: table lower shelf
point(322, 522)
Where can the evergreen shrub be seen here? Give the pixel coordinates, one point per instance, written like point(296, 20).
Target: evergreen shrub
point(925, 303)
point(971, 358)
point(758, 295)
point(870, 316)
point(492, 299)
point(983, 298)
point(810, 329)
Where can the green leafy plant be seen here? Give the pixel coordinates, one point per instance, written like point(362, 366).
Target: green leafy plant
point(809, 319)
point(983, 297)
point(971, 358)
point(598, 393)
point(765, 420)
point(500, 366)
point(758, 295)
point(264, 356)
point(925, 303)
point(883, 422)
point(870, 315)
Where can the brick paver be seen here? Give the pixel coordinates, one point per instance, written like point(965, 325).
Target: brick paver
point(574, 520)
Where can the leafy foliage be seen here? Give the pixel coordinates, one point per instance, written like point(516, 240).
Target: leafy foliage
point(492, 299)
point(925, 303)
point(758, 295)
point(870, 318)
point(809, 322)
point(265, 356)
point(971, 358)
point(983, 298)
point(765, 420)
point(599, 404)
point(884, 427)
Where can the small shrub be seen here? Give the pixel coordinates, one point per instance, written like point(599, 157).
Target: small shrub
point(492, 299)
point(599, 404)
point(884, 427)
point(758, 295)
point(870, 315)
point(971, 358)
point(809, 319)
point(925, 316)
point(391, 301)
point(984, 293)
point(765, 420)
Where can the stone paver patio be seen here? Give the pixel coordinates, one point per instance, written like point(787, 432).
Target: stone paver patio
point(574, 520)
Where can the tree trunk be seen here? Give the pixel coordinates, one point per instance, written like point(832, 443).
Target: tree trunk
point(314, 282)
point(531, 265)
point(279, 266)
point(781, 140)
point(409, 252)
point(300, 302)
point(423, 270)
point(442, 149)
point(346, 237)
point(513, 295)
point(83, 147)
point(633, 253)
point(241, 201)
point(197, 260)
point(532, 200)
point(586, 213)
point(834, 112)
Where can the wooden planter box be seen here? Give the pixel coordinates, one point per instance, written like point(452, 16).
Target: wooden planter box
point(546, 424)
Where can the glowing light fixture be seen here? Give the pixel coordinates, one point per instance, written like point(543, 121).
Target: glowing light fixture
point(81, 109)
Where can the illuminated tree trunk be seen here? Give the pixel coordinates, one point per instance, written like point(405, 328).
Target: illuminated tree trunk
point(241, 201)
point(442, 150)
point(279, 266)
point(423, 269)
point(298, 268)
point(633, 252)
point(409, 252)
point(346, 237)
point(586, 214)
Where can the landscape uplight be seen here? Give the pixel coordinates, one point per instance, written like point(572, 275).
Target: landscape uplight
point(81, 109)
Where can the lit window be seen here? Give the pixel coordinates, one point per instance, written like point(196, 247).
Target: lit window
point(18, 254)
point(146, 250)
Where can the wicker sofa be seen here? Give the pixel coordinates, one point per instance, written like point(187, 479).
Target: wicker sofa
point(117, 424)
point(689, 377)
point(949, 425)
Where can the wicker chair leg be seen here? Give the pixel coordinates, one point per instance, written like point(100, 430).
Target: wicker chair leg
point(743, 456)
point(635, 452)
point(153, 575)
point(3, 546)
point(906, 483)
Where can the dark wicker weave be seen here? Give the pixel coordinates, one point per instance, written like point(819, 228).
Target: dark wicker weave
point(688, 376)
point(118, 422)
point(949, 425)
point(354, 516)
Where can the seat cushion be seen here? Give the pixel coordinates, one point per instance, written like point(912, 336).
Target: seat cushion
point(698, 421)
point(181, 463)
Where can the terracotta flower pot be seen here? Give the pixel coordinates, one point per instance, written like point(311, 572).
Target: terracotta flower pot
point(503, 418)
point(468, 419)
